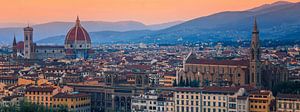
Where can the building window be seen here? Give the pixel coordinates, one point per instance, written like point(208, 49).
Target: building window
point(252, 79)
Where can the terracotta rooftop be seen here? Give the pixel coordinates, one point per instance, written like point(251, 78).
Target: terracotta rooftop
point(260, 92)
point(20, 45)
point(70, 95)
point(8, 78)
point(141, 67)
point(211, 89)
point(288, 96)
point(218, 62)
point(40, 89)
point(221, 89)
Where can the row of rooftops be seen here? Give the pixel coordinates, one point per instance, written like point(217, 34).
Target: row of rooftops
point(218, 62)
point(221, 90)
point(40, 89)
point(71, 95)
point(50, 89)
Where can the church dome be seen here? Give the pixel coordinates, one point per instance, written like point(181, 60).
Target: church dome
point(77, 35)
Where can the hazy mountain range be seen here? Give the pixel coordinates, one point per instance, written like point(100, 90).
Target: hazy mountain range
point(279, 20)
point(42, 31)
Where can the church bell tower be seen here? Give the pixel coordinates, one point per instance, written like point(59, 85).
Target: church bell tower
point(28, 43)
point(255, 55)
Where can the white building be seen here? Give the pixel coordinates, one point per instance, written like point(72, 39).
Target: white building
point(243, 103)
point(144, 103)
point(209, 99)
point(153, 102)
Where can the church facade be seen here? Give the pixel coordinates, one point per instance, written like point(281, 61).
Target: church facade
point(77, 45)
point(252, 72)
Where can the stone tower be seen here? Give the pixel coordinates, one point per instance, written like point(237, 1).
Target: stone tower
point(28, 43)
point(14, 47)
point(255, 55)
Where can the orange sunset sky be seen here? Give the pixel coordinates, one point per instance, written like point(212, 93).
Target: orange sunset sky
point(146, 11)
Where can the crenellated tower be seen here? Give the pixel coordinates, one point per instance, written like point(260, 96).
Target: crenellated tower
point(28, 43)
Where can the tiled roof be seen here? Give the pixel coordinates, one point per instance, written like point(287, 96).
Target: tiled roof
point(221, 89)
point(289, 96)
point(20, 45)
point(70, 95)
point(141, 67)
point(260, 92)
point(40, 89)
point(8, 78)
point(218, 62)
point(210, 89)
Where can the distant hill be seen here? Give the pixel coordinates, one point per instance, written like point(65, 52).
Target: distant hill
point(279, 20)
point(42, 31)
point(102, 37)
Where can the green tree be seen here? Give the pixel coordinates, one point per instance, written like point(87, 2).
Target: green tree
point(25, 106)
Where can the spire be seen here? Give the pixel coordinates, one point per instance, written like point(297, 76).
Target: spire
point(77, 21)
point(255, 33)
point(14, 42)
point(255, 29)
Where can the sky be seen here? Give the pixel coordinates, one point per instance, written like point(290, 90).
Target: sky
point(146, 11)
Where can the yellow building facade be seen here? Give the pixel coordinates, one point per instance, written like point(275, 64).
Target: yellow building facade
point(41, 95)
point(168, 80)
point(260, 101)
point(288, 103)
point(75, 102)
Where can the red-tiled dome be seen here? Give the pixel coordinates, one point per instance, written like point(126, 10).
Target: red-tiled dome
point(77, 33)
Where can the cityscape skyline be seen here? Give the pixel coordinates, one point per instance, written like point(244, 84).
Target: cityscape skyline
point(145, 11)
point(230, 61)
